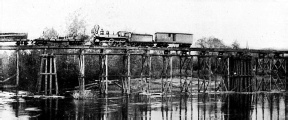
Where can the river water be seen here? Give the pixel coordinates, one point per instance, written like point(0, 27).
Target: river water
point(229, 106)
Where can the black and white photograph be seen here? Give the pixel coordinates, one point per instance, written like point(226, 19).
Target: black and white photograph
point(143, 59)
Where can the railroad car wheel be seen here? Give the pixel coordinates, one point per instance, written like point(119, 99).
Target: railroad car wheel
point(18, 43)
point(25, 42)
point(111, 42)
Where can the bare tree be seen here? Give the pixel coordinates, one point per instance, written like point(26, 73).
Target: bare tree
point(76, 24)
point(49, 33)
point(235, 45)
point(210, 42)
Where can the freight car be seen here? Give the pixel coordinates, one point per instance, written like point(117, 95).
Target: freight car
point(65, 41)
point(164, 39)
point(19, 38)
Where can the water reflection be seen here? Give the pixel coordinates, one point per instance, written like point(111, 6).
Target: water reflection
point(268, 106)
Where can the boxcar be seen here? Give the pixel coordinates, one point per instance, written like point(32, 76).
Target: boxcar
point(141, 39)
point(163, 39)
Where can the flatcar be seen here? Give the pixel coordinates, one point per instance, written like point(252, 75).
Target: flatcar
point(163, 39)
point(19, 38)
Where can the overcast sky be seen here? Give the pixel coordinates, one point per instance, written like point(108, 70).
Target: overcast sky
point(260, 23)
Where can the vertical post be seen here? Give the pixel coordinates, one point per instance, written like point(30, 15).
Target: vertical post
point(46, 64)
point(40, 75)
point(286, 73)
point(17, 72)
point(50, 74)
point(56, 80)
point(270, 78)
point(163, 72)
point(106, 74)
point(17, 65)
point(210, 72)
point(228, 73)
point(103, 71)
point(171, 73)
point(129, 72)
point(82, 71)
point(198, 72)
point(180, 71)
point(150, 71)
point(192, 69)
point(101, 74)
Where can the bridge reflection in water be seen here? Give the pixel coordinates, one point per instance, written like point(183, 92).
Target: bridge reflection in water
point(261, 106)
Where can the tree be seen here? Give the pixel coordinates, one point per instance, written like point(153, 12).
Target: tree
point(210, 42)
point(49, 33)
point(235, 45)
point(76, 24)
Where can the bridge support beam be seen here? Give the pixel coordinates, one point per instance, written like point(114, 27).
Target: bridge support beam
point(126, 79)
point(186, 65)
point(47, 71)
point(81, 78)
point(146, 71)
point(167, 72)
point(103, 61)
point(204, 72)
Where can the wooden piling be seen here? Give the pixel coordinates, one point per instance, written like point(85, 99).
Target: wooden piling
point(150, 71)
point(40, 76)
point(106, 74)
point(180, 71)
point(270, 75)
point(50, 76)
point(56, 80)
point(228, 74)
point(46, 64)
point(171, 73)
point(163, 73)
point(82, 71)
point(192, 69)
point(198, 85)
point(129, 72)
point(17, 68)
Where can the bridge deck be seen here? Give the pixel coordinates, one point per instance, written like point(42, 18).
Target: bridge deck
point(27, 47)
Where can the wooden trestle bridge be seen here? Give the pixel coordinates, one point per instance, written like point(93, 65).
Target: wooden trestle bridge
point(195, 69)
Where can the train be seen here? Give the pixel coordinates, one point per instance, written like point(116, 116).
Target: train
point(105, 38)
point(19, 38)
point(124, 38)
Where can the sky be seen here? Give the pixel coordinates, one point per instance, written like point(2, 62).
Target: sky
point(257, 24)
